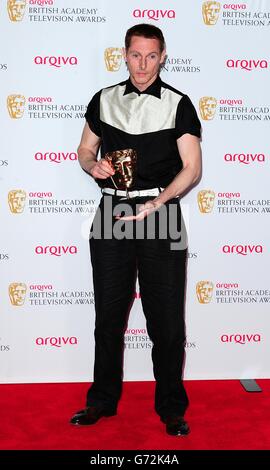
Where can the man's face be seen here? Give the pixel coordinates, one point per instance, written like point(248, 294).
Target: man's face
point(143, 59)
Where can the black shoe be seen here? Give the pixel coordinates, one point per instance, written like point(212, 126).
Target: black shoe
point(90, 415)
point(176, 425)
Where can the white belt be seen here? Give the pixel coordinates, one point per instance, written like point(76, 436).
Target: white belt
point(129, 194)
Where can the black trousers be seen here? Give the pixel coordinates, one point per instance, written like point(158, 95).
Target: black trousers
point(161, 274)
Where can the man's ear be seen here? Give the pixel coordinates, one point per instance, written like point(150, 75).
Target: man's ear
point(124, 53)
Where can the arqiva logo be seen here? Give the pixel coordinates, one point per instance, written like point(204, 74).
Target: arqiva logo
point(242, 249)
point(41, 287)
point(56, 250)
point(248, 65)
point(54, 61)
point(41, 2)
point(233, 6)
point(40, 194)
point(227, 285)
point(241, 339)
point(56, 157)
point(245, 158)
point(153, 14)
point(56, 341)
point(229, 195)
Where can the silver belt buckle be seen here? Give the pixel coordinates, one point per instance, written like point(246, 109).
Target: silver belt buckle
point(127, 196)
point(134, 193)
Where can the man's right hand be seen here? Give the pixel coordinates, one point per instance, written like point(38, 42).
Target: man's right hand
point(102, 169)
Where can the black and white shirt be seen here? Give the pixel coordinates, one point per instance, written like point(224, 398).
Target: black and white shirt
point(150, 122)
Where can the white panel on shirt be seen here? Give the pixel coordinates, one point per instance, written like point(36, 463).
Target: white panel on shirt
point(138, 114)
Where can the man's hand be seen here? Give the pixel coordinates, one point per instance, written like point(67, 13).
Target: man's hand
point(102, 169)
point(144, 210)
point(87, 153)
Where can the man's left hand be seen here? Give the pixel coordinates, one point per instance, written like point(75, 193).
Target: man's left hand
point(144, 210)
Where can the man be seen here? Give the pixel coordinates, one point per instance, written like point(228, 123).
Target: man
point(160, 125)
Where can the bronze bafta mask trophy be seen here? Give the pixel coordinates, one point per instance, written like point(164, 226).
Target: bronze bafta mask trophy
point(124, 164)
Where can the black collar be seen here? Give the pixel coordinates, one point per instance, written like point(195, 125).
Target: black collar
point(154, 89)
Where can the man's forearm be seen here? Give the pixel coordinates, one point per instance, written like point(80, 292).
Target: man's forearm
point(182, 181)
point(87, 159)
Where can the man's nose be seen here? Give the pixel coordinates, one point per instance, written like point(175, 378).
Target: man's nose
point(143, 64)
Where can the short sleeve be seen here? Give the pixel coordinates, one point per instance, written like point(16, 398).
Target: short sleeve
point(92, 114)
point(187, 121)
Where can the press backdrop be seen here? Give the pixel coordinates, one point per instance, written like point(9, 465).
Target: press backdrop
point(54, 56)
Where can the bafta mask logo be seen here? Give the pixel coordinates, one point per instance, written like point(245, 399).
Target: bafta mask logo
point(204, 291)
point(113, 58)
point(124, 165)
point(17, 292)
point(206, 199)
point(210, 12)
point(15, 105)
point(16, 9)
point(208, 106)
point(16, 200)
